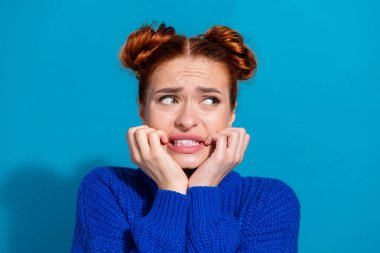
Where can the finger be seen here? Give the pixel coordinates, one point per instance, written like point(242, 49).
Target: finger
point(163, 137)
point(156, 140)
point(209, 139)
point(142, 140)
point(246, 142)
point(233, 137)
point(220, 141)
point(132, 144)
point(240, 151)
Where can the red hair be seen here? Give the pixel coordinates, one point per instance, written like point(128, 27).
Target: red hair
point(147, 48)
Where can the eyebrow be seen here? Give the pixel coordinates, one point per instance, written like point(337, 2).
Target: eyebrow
point(179, 89)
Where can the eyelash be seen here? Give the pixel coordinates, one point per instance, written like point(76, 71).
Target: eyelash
point(215, 99)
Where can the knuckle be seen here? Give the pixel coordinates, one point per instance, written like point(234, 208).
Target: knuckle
point(145, 156)
point(134, 159)
point(159, 132)
point(135, 128)
point(152, 134)
point(235, 134)
point(154, 157)
point(131, 131)
point(140, 132)
point(137, 132)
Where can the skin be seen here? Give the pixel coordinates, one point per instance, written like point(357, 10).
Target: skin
point(187, 110)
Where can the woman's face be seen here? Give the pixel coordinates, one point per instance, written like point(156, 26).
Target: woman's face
point(188, 99)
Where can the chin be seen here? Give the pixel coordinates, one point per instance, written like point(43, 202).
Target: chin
point(189, 161)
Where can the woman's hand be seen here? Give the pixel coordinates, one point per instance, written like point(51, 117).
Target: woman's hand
point(151, 156)
point(230, 146)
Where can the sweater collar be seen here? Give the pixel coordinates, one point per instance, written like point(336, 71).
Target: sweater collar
point(231, 181)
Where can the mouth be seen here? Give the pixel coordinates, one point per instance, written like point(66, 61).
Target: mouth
point(186, 144)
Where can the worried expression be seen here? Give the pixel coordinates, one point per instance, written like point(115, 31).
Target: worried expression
point(188, 98)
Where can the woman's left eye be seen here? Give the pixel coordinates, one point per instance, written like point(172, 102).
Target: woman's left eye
point(211, 100)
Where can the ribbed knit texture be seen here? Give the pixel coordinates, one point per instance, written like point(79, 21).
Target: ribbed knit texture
point(122, 210)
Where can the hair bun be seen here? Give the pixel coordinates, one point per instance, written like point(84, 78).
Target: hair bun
point(243, 58)
point(142, 43)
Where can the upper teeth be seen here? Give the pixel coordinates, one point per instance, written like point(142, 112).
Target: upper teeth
point(186, 142)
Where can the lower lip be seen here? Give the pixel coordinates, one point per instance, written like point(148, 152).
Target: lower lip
point(186, 149)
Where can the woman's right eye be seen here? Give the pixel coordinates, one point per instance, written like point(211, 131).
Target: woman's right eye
point(167, 100)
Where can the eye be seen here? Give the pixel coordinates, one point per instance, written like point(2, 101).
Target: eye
point(167, 100)
point(211, 100)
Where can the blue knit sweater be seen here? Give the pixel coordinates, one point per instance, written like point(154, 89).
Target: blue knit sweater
point(122, 210)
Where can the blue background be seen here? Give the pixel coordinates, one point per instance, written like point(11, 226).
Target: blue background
point(312, 110)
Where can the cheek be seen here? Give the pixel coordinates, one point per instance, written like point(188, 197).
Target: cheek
point(160, 120)
point(216, 121)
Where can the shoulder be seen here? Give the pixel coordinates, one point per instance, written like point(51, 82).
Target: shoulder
point(108, 177)
point(109, 188)
point(108, 174)
point(270, 192)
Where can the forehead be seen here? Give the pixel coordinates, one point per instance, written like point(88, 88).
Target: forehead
point(190, 73)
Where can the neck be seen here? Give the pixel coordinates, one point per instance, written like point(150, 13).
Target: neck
point(189, 172)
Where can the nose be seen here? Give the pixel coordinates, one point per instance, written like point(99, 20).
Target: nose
point(187, 117)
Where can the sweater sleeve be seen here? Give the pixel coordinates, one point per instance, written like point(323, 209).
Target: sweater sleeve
point(271, 222)
point(163, 229)
point(102, 226)
point(209, 230)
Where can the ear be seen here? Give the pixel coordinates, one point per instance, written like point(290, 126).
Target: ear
point(141, 112)
point(233, 115)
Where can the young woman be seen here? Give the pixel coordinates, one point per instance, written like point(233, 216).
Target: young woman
point(184, 196)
